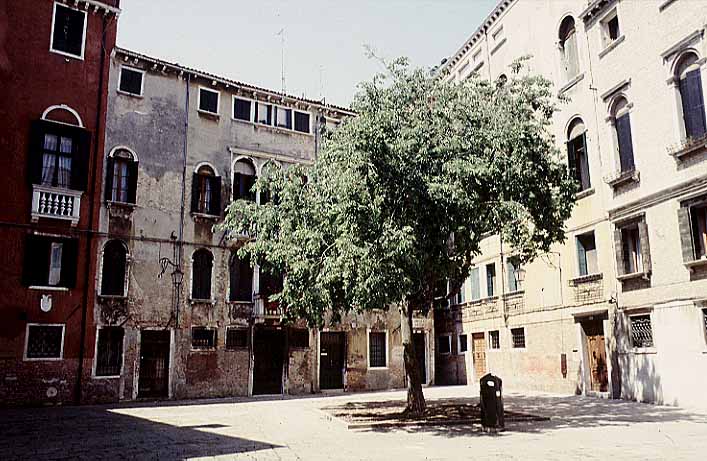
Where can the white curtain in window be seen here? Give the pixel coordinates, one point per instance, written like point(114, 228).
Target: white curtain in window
point(263, 113)
point(48, 161)
point(55, 264)
point(65, 147)
point(120, 177)
point(64, 177)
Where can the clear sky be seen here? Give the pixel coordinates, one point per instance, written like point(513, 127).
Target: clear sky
point(324, 39)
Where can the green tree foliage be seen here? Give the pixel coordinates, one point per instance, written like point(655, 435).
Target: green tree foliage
point(403, 193)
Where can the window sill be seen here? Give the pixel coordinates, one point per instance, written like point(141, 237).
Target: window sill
point(498, 45)
point(377, 368)
point(106, 377)
point(42, 359)
point(47, 288)
point(633, 276)
point(206, 349)
point(204, 216)
point(569, 85)
point(514, 294)
point(621, 178)
point(67, 55)
point(664, 5)
point(212, 115)
point(235, 349)
point(643, 351)
point(697, 263)
point(583, 194)
point(239, 303)
point(586, 279)
point(608, 48)
point(127, 93)
point(112, 297)
point(274, 129)
point(210, 302)
point(688, 147)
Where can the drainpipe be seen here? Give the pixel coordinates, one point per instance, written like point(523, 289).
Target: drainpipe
point(91, 211)
point(179, 249)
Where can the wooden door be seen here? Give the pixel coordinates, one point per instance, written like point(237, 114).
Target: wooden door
point(418, 340)
point(596, 352)
point(153, 380)
point(332, 348)
point(268, 359)
point(478, 345)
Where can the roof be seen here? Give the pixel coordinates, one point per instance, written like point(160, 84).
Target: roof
point(230, 82)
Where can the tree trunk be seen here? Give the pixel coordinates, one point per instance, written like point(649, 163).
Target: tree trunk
point(416, 399)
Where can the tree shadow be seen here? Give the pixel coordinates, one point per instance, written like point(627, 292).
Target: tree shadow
point(101, 432)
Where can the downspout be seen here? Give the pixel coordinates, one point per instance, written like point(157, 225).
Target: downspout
point(91, 212)
point(179, 250)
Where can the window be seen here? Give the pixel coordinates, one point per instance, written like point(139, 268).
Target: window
point(691, 97)
point(497, 35)
point(490, 279)
point(514, 282)
point(298, 338)
point(109, 351)
point(462, 346)
point(704, 321)
point(622, 127)
point(302, 122)
point(206, 192)
point(641, 331)
point(203, 338)
point(632, 248)
point(577, 157)
point(271, 282)
point(610, 28)
point(568, 48)
point(241, 109)
point(377, 349)
point(68, 31)
point(121, 177)
point(50, 261)
point(587, 254)
point(444, 345)
point(209, 100)
point(476, 57)
point(58, 155)
point(699, 230)
point(241, 279)
point(130, 81)
point(518, 338)
point(243, 180)
point(475, 284)
point(263, 113)
point(494, 340)
point(202, 263)
point(114, 269)
point(460, 298)
point(236, 338)
point(283, 118)
point(692, 221)
point(44, 342)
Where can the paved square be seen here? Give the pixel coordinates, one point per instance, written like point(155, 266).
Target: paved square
point(297, 428)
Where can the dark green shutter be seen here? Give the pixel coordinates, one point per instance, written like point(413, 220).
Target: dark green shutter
point(571, 159)
point(619, 251)
point(693, 104)
point(623, 133)
point(195, 193)
point(81, 156)
point(215, 205)
point(36, 151)
point(69, 262)
point(686, 241)
point(645, 246)
point(110, 165)
point(132, 181)
point(35, 268)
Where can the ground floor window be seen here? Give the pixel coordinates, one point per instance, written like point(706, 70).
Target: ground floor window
point(203, 338)
point(236, 338)
point(377, 349)
point(494, 340)
point(518, 338)
point(44, 341)
point(463, 347)
point(109, 351)
point(641, 331)
point(444, 344)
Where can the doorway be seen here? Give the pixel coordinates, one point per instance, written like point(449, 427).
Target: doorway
point(596, 354)
point(478, 347)
point(332, 353)
point(153, 380)
point(418, 341)
point(268, 359)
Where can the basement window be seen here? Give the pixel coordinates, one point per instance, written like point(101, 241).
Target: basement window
point(109, 351)
point(68, 31)
point(518, 338)
point(494, 340)
point(641, 331)
point(299, 338)
point(236, 338)
point(203, 338)
point(44, 342)
point(209, 101)
point(131, 81)
point(377, 349)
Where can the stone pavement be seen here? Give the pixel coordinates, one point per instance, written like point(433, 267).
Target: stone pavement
point(297, 428)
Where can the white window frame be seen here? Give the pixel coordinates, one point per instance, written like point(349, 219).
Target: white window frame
point(525, 338)
point(274, 117)
point(639, 350)
point(218, 101)
point(205, 349)
point(490, 344)
point(51, 36)
point(459, 344)
point(44, 359)
point(253, 103)
point(449, 341)
point(95, 355)
point(142, 81)
point(368, 349)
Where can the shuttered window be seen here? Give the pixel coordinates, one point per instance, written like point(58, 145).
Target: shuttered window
point(68, 30)
point(693, 107)
point(514, 284)
point(241, 279)
point(50, 261)
point(202, 265)
point(114, 269)
point(206, 192)
point(377, 349)
point(587, 254)
point(692, 222)
point(243, 181)
point(58, 155)
point(241, 109)
point(577, 159)
point(109, 350)
point(632, 248)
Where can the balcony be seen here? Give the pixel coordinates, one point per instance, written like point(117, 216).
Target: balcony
point(267, 310)
point(55, 203)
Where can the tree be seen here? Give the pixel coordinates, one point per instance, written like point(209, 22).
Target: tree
point(403, 193)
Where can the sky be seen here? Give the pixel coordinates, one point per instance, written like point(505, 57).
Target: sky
point(324, 39)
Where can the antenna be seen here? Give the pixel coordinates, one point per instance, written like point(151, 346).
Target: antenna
point(321, 83)
point(281, 34)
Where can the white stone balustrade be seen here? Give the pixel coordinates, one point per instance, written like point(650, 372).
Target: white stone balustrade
point(56, 203)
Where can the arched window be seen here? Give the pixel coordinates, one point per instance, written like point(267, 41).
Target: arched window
point(241, 279)
point(622, 126)
point(206, 191)
point(243, 180)
point(689, 78)
point(121, 177)
point(568, 48)
point(202, 264)
point(266, 195)
point(577, 157)
point(114, 268)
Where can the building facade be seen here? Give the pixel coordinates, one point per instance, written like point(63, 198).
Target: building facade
point(179, 315)
point(619, 309)
point(54, 60)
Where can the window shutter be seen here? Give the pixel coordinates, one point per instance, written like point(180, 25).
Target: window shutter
point(475, 284)
point(215, 206)
point(688, 248)
point(693, 104)
point(584, 159)
point(571, 159)
point(619, 250)
point(582, 258)
point(195, 193)
point(36, 143)
point(69, 259)
point(132, 181)
point(81, 156)
point(645, 246)
point(623, 132)
point(110, 165)
point(35, 269)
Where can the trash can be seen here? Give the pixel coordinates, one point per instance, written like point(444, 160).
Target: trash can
point(491, 396)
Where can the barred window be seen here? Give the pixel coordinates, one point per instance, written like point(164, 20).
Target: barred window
point(641, 331)
point(445, 344)
point(236, 338)
point(494, 340)
point(203, 338)
point(378, 353)
point(45, 341)
point(518, 337)
point(109, 357)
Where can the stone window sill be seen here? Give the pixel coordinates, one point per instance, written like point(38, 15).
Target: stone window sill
point(132, 95)
point(47, 288)
point(202, 301)
point(611, 46)
point(112, 297)
point(644, 350)
point(498, 45)
point(633, 276)
point(586, 279)
point(692, 265)
point(567, 86)
point(585, 193)
point(211, 115)
point(514, 294)
point(621, 178)
point(121, 205)
point(204, 217)
point(688, 147)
